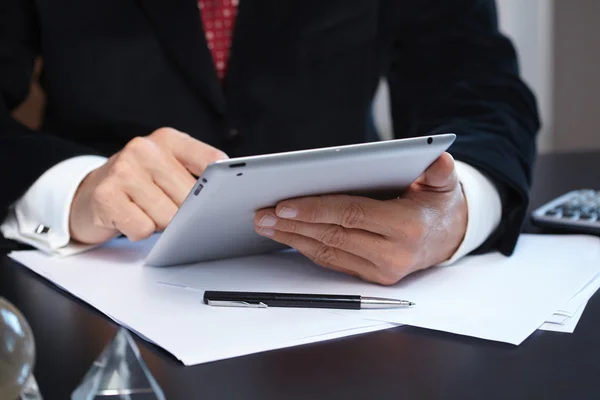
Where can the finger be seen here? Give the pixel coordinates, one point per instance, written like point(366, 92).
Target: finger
point(194, 154)
point(330, 257)
point(174, 179)
point(367, 245)
point(168, 173)
point(441, 175)
point(128, 218)
point(152, 200)
point(352, 212)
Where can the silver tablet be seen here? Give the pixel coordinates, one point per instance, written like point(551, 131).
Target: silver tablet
point(216, 219)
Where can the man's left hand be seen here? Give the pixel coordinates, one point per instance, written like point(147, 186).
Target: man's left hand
point(378, 241)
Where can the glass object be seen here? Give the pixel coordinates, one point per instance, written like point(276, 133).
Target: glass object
point(17, 355)
point(119, 373)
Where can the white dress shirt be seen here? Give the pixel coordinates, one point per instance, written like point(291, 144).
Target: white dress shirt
point(41, 217)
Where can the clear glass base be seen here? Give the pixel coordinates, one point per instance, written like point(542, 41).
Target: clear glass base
point(17, 355)
point(31, 391)
point(119, 373)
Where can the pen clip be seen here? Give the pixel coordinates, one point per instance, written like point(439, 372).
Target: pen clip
point(230, 303)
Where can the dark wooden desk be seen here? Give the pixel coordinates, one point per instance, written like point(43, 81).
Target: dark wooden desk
point(402, 363)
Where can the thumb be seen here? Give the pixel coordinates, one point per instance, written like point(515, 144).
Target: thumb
point(440, 176)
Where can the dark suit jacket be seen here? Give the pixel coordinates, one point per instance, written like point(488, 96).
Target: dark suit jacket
point(302, 74)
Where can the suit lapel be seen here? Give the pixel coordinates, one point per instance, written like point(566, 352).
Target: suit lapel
point(179, 28)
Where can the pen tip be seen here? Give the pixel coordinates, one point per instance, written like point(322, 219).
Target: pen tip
point(410, 303)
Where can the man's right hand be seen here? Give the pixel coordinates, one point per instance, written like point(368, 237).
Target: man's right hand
point(139, 189)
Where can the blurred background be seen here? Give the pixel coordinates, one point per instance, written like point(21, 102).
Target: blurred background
point(558, 42)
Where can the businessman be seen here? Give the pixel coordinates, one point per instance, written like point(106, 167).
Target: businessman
point(143, 95)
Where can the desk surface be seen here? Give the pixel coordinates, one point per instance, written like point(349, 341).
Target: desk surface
point(403, 363)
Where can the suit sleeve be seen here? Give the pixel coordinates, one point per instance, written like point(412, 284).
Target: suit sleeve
point(453, 71)
point(25, 154)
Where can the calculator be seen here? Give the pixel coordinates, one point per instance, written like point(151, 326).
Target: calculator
point(576, 211)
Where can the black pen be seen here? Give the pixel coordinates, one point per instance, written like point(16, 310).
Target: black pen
point(300, 300)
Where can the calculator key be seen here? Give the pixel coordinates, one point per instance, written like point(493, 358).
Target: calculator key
point(554, 212)
point(571, 214)
point(588, 216)
point(586, 209)
point(570, 210)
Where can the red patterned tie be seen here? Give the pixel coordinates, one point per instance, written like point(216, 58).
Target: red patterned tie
point(218, 18)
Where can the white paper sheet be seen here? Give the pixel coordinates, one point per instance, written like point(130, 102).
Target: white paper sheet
point(581, 298)
point(568, 325)
point(488, 296)
point(566, 318)
point(113, 280)
point(557, 319)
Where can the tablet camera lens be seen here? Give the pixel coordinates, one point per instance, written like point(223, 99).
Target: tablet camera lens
point(429, 140)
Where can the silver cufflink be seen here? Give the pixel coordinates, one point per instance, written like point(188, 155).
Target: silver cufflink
point(42, 229)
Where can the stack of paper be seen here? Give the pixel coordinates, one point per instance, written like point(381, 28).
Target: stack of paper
point(114, 280)
point(566, 318)
point(545, 283)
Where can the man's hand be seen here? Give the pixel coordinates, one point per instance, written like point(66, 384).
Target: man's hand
point(140, 188)
point(378, 241)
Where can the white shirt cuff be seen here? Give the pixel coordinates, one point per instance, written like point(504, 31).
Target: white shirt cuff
point(41, 217)
point(484, 209)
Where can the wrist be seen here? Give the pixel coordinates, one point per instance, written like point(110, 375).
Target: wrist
point(82, 226)
point(456, 230)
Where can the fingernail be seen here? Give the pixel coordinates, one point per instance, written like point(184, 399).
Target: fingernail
point(266, 232)
point(288, 212)
point(267, 220)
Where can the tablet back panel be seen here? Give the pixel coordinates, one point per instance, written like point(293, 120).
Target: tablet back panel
point(217, 218)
